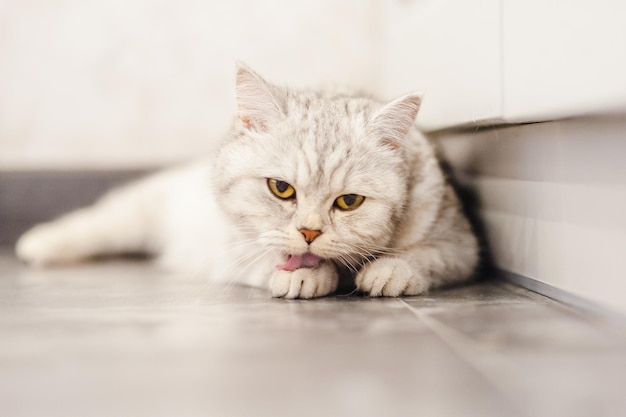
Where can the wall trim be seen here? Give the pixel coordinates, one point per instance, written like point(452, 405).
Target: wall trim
point(562, 296)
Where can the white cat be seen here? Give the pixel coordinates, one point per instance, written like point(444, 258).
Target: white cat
point(306, 186)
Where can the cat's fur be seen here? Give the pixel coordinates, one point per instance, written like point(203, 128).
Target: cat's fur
point(218, 215)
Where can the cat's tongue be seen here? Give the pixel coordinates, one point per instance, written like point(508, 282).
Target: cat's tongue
point(293, 262)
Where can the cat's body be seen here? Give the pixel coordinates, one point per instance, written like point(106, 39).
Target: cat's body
point(305, 185)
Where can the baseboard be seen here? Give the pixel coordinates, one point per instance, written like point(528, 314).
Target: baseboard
point(562, 296)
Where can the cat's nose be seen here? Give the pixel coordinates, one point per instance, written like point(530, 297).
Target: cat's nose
point(310, 235)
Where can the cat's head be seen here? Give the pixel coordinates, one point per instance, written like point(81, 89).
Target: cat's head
point(315, 172)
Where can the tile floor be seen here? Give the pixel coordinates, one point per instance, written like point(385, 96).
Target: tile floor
point(122, 338)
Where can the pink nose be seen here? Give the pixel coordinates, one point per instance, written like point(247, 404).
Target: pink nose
point(310, 235)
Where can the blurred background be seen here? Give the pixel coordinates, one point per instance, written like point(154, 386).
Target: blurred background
point(123, 84)
point(118, 84)
point(111, 85)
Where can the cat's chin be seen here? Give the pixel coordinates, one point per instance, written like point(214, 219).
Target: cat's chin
point(305, 260)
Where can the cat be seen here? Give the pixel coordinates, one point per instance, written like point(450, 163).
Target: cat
point(306, 186)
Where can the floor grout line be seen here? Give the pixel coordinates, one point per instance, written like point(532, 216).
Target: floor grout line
point(463, 346)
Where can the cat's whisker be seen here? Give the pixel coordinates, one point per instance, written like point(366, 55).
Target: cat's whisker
point(354, 291)
point(365, 258)
point(348, 262)
point(372, 252)
point(241, 244)
point(237, 262)
point(235, 245)
point(229, 268)
point(385, 250)
point(261, 257)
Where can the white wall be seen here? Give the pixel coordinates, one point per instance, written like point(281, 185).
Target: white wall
point(563, 58)
point(450, 50)
point(112, 83)
point(485, 62)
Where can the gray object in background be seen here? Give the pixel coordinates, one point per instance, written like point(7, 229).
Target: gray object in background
point(27, 198)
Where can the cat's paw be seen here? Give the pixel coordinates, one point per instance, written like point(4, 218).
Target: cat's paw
point(44, 245)
point(391, 277)
point(305, 282)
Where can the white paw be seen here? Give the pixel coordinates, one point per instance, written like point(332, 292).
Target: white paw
point(44, 245)
point(305, 282)
point(391, 277)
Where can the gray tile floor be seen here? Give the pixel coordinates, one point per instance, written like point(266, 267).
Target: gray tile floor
point(122, 338)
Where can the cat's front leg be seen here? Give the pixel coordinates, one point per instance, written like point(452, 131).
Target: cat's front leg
point(305, 282)
point(392, 277)
point(420, 269)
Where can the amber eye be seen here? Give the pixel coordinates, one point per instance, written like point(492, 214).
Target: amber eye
point(349, 202)
point(281, 189)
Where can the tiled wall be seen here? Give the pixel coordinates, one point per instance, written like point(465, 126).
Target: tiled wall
point(552, 197)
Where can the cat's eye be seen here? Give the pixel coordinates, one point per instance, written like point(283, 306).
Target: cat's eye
point(281, 189)
point(349, 201)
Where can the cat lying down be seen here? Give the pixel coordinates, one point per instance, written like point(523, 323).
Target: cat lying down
point(306, 186)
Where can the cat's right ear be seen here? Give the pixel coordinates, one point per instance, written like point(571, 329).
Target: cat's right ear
point(257, 107)
point(392, 123)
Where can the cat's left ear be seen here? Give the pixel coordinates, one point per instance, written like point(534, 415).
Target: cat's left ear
point(257, 107)
point(392, 123)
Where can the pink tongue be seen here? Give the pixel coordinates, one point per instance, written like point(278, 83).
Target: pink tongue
point(307, 260)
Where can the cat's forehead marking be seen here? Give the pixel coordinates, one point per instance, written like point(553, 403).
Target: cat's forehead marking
point(323, 150)
point(322, 155)
point(317, 172)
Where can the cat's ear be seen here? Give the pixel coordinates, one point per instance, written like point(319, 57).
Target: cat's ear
point(393, 122)
point(257, 107)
